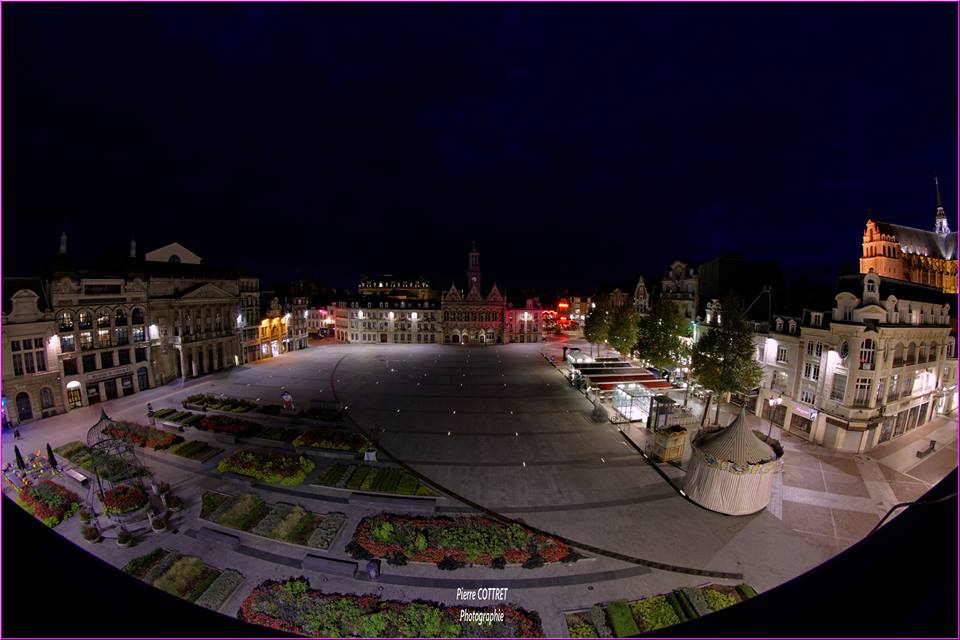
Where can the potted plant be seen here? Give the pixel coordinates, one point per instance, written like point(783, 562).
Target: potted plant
point(90, 533)
point(124, 538)
point(85, 516)
point(159, 524)
point(174, 503)
point(163, 487)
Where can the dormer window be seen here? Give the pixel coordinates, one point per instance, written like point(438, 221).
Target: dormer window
point(779, 324)
point(848, 313)
point(871, 286)
point(793, 326)
point(816, 319)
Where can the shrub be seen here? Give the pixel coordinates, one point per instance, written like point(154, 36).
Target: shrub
point(449, 563)
point(654, 613)
point(274, 468)
point(397, 559)
point(123, 498)
point(746, 591)
point(599, 620)
point(681, 605)
point(181, 576)
point(244, 513)
point(621, 620)
point(124, 537)
point(498, 563)
point(533, 562)
point(717, 600)
point(49, 502)
point(582, 630)
point(222, 587)
point(141, 564)
point(325, 533)
point(292, 524)
point(407, 485)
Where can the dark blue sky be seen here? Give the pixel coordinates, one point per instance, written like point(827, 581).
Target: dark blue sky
point(575, 143)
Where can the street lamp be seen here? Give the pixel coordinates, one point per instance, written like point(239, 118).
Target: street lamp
point(773, 402)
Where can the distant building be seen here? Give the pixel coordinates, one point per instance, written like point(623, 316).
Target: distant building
point(747, 279)
point(396, 286)
point(370, 319)
point(914, 255)
point(472, 317)
point(880, 363)
point(523, 321)
point(681, 285)
point(641, 297)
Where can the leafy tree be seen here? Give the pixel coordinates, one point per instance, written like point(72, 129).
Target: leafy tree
point(723, 358)
point(622, 330)
point(596, 325)
point(660, 335)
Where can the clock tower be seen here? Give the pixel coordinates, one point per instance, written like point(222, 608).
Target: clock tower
point(473, 271)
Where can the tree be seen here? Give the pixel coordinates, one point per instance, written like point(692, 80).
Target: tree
point(596, 326)
point(660, 335)
point(622, 330)
point(723, 359)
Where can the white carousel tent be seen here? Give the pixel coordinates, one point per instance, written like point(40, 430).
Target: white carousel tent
point(732, 468)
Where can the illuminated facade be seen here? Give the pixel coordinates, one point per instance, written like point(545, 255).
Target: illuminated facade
point(681, 285)
point(880, 363)
point(523, 323)
point(396, 286)
point(248, 320)
point(915, 255)
point(473, 318)
point(386, 320)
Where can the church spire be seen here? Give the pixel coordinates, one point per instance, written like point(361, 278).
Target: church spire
point(942, 226)
point(473, 270)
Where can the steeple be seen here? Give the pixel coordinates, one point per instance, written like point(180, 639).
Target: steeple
point(942, 226)
point(473, 269)
point(133, 248)
point(63, 243)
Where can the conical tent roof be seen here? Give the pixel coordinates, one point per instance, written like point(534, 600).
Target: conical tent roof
point(737, 443)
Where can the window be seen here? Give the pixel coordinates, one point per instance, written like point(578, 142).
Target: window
point(140, 353)
point(123, 356)
point(137, 316)
point(810, 348)
point(28, 361)
point(808, 395)
point(86, 320)
point(122, 336)
point(138, 334)
point(907, 386)
point(66, 321)
point(103, 338)
point(103, 318)
point(120, 317)
point(838, 389)
point(17, 365)
point(106, 359)
point(871, 286)
point(848, 313)
point(866, 354)
point(86, 341)
point(70, 366)
point(781, 354)
point(41, 360)
point(861, 397)
point(818, 349)
point(89, 363)
point(892, 389)
point(811, 371)
point(67, 344)
point(46, 398)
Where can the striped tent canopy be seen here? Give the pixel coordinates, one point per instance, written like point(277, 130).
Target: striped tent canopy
point(736, 443)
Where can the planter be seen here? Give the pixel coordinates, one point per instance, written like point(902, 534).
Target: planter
point(159, 526)
point(127, 543)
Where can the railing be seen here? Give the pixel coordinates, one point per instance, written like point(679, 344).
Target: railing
point(898, 362)
point(867, 366)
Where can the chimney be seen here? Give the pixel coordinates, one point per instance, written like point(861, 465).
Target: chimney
point(133, 248)
point(63, 243)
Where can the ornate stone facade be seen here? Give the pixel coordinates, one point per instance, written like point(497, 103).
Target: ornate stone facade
point(471, 317)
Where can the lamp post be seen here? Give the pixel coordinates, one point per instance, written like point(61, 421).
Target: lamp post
point(773, 402)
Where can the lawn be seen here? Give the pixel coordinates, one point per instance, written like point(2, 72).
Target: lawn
point(377, 479)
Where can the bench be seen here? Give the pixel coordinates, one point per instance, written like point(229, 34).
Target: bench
point(219, 537)
point(331, 566)
point(928, 450)
point(76, 475)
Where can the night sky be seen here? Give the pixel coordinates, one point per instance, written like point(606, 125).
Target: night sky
point(575, 143)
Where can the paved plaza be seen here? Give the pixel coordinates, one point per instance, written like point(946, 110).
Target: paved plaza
point(500, 426)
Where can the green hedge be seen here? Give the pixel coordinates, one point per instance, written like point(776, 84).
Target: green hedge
point(746, 591)
point(682, 605)
point(621, 620)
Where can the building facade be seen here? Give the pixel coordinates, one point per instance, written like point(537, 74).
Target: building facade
point(681, 285)
point(472, 317)
point(371, 319)
point(523, 321)
point(880, 363)
point(396, 286)
point(914, 255)
point(31, 375)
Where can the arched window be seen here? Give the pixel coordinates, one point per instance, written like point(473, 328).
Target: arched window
point(932, 353)
point(46, 398)
point(898, 355)
point(103, 318)
point(120, 317)
point(65, 320)
point(137, 316)
point(86, 320)
point(174, 259)
point(911, 354)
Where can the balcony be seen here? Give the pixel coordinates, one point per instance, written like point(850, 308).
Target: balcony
point(867, 366)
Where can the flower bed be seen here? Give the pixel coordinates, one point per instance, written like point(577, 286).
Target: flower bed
point(195, 450)
point(123, 498)
point(235, 405)
point(142, 436)
point(228, 424)
point(275, 468)
point(278, 434)
point(186, 577)
point(48, 502)
point(622, 619)
point(332, 439)
point(113, 469)
point(294, 607)
point(472, 540)
point(284, 522)
point(366, 478)
point(161, 413)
